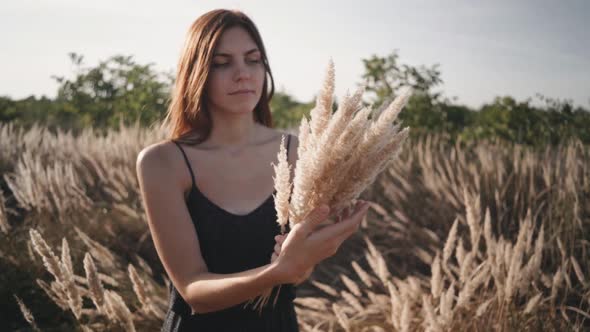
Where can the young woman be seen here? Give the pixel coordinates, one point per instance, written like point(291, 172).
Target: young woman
point(208, 190)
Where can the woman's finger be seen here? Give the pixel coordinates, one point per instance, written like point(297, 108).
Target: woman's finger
point(345, 228)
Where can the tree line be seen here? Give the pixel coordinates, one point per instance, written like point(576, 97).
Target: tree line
point(120, 90)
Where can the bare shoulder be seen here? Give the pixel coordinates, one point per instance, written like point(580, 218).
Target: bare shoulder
point(154, 155)
point(163, 162)
point(169, 221)
point(158, 159)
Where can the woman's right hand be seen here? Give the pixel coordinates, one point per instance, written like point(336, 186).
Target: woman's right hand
point(306, 244)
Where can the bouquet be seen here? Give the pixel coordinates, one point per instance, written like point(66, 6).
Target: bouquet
point(339, 156)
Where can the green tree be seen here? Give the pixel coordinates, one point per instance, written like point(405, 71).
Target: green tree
point(117, 90)
point(384, 76)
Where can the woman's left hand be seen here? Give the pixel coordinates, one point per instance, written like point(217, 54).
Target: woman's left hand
point(277, 250)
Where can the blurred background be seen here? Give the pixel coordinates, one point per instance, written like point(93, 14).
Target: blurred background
point(485, 69)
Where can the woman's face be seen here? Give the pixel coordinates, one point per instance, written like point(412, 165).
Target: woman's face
point(237, 65)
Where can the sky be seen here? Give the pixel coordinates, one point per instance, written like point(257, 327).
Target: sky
point(484, 48)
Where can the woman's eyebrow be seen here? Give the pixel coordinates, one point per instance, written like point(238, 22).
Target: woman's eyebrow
point(229, 55)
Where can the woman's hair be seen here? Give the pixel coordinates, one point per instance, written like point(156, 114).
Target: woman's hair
point(187, 112)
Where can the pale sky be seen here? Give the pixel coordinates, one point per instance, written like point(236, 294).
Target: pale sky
point(484, 48)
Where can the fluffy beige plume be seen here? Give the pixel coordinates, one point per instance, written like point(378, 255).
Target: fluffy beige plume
point(4, 225)
point(63, 276)
point(367, 170)
point(436, 281)
point(27, 314)
point(283, 186)
point(309, 133)
point(118, 310)
point(339, 156)
point(50, 260)
point(139, 288)
point(351, 285)
point(364, 275)
point(54, 292)
point(66, 258)
point(95, 288)
point(320, 114)
point(514, 266)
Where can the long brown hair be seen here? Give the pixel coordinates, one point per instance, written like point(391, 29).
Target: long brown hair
point(187, 114)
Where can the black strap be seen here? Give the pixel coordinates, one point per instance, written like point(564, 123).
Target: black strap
point(187, 163)
point(288, 143)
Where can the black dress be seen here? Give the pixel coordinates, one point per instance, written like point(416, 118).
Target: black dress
point(233, 243)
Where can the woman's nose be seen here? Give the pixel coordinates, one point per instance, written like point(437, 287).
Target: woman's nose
point(242, 72)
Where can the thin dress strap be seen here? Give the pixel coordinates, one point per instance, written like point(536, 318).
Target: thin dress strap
point(288, 143)
point(187, 163)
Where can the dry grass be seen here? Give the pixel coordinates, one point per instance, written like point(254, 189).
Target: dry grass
point(461, 236)
point(339, 155)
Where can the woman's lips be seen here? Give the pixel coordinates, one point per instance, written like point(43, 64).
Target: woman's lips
point(242, 92)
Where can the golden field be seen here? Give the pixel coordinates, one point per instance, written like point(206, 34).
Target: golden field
point(461, 236)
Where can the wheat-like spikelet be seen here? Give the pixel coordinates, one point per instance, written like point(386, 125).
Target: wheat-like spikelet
point(450, 243)
point(351, 285)
point(312, 302)
point(283, 186)
point(50, 260)
point(352, 301)
point(119, 310)
point(482, 308)
point(532, 303)
point(431, 318)
point(396, 305)
point(63, 277)
point(436, 279)
point(578, 270)
point(466, 265)
point(472, 214)
point(446, 304)
point(74, 297)
point(98, 251)
point(96, 291)
point(471, 285)
point(514, 272)
point(139, 288)
point(363, 275)
point(55, 293)
point(321, 112)
point(341, 316)
point(487, 232)
point(556, 284)
point(406, 317)
point(326, 288)
point(26, 313)
point(66, 258)
point(4, 225)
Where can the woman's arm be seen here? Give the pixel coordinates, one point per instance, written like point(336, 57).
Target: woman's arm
point(160, 175)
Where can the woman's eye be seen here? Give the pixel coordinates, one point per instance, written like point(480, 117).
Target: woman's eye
point(225, 64)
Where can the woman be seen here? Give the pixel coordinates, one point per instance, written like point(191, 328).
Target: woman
point(206, 191)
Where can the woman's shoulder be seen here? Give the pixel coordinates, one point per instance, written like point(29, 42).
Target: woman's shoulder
point(159, 155)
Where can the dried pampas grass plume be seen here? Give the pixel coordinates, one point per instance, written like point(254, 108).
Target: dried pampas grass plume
point(340, 154)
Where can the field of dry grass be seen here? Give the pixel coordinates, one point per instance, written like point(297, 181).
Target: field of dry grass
point(460, 237)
